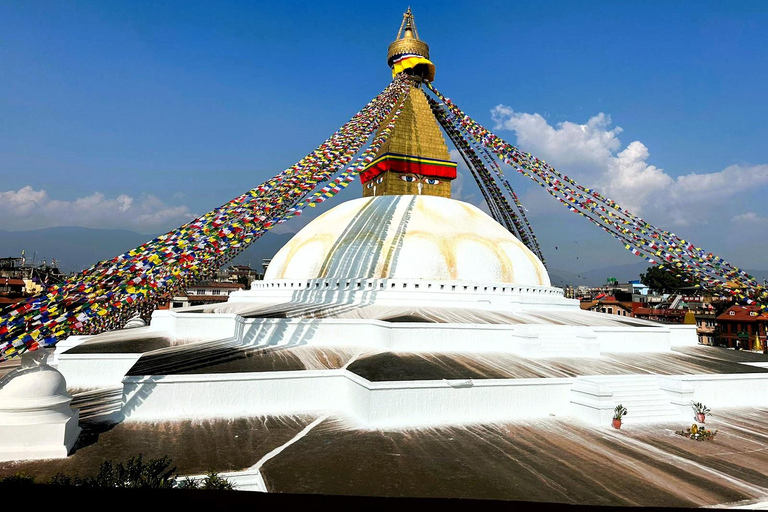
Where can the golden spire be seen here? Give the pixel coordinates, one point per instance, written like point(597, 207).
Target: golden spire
point(414, 160)
point(409, 25)
point(407, 40)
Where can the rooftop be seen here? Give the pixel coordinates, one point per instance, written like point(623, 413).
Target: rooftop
point(744, 314)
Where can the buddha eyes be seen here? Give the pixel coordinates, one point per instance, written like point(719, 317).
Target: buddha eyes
point(370, 185)
point(380, 180)
point(412, 179)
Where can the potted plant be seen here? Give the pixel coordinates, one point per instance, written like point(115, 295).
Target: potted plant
point(700, 410)
point(618, 412)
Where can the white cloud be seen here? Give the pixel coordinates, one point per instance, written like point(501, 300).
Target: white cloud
point(457, 186)
point(592, 154)
point(750, 217)
point(28, 208)
point(585, 146)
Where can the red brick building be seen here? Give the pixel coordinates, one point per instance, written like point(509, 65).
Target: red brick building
point(738, 326)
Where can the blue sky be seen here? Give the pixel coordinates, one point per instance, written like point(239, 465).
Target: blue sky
point(139, 114)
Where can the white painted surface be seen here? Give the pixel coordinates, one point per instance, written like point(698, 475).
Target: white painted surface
point(36, 421)
point(409, 237)
point(683, 335)
point(735, 390)
point(402, 403)
point(95, 370)
point(434, 402)
point(528, 340)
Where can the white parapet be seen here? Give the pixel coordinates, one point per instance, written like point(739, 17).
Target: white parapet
point(95, 370)
point(376, 404)
point(683, 335)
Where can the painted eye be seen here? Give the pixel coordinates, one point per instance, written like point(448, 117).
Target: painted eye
point(431, 181)
point(370, 185)
point(380, 180)
point(408, 178)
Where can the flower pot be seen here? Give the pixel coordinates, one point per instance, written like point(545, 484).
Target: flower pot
point(616, 423)
point(700, 417)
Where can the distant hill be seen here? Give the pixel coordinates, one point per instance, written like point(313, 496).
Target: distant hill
point(77, 248)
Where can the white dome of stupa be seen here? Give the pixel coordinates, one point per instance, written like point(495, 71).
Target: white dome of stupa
point(35, 411)
point(407, 237)
point(38, 384)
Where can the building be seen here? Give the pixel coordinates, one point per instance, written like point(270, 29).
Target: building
point(244, 274)
point(608, 304)
point(207, 292)
point(743, 327)
point(706, 327)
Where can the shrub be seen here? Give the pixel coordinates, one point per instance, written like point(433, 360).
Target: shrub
point(19, 478)
point(135, 473)
point(211, 482)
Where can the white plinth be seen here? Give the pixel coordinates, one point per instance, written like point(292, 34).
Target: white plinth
point(36, 420)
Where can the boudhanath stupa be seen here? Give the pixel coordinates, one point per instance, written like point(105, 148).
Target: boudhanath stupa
point(405, 343)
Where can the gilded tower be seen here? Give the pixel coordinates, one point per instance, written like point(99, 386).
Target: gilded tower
point(414, 160)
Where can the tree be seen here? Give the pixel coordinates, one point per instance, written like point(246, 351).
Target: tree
point(245, 281)
point(667, 279)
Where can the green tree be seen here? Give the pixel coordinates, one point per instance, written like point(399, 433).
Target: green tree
point(667, 279)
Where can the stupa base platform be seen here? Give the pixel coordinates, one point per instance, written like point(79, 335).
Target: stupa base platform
point(384, 389)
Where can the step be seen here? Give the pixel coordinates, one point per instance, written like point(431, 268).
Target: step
point(632, 383)
point(643, 392)
point(662, 418)
point(645, 389)
point(640, 410)
point(97, 404)
point(642, 403)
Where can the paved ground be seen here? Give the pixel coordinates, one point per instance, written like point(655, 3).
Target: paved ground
point(552, 460)
point(195, 446)
point(389, 366)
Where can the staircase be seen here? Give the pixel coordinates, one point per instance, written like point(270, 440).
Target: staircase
point(593, 399)
point(99, 405)
point(644, 400)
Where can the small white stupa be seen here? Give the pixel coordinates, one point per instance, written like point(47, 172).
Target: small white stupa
point(36, 420)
